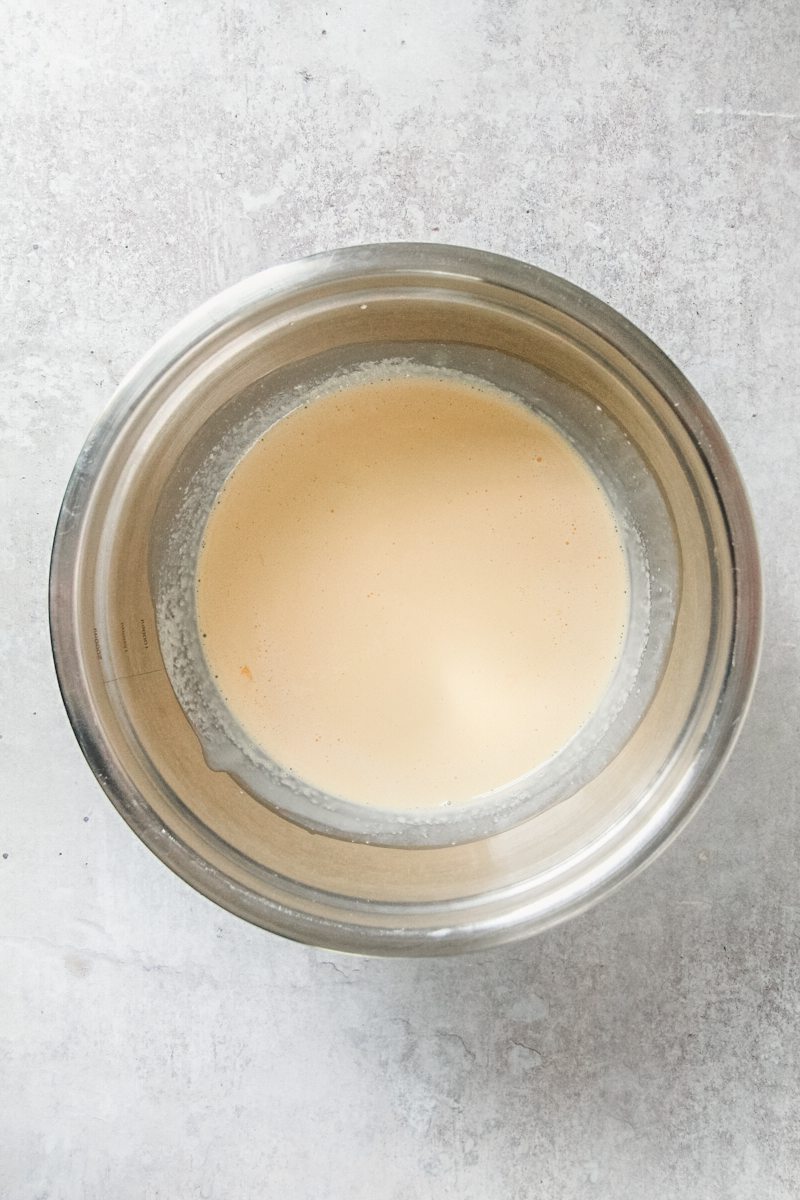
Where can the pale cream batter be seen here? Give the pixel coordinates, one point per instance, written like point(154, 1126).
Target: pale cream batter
point(412, 591)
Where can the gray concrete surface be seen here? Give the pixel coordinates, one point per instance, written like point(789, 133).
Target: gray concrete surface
point(154, 1047)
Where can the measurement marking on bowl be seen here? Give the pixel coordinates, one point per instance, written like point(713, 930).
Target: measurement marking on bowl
point(135, 675)
point(129, 652)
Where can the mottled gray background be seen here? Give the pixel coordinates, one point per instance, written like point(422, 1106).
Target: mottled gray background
point(152, 1046)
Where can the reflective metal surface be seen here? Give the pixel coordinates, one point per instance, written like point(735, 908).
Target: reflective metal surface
point(567, 840)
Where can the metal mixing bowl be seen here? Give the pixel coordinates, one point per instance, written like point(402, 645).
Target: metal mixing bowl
point(312, 867)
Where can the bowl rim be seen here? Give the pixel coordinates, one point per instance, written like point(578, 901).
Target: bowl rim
point(533, 282)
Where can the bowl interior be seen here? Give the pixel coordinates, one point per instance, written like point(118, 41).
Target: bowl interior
point(218, 443)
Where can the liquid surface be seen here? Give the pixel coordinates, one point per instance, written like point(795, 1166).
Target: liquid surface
point(412, 591)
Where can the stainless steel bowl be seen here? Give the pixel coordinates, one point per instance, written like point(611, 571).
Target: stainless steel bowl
point(311, 867)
